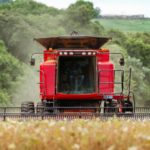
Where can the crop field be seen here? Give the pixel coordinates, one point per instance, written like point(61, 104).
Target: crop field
point(126, 25)
point(75, 135)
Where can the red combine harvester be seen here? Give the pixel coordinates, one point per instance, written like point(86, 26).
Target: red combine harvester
point(77, 75)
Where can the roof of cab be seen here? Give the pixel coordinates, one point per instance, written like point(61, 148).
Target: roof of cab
point(70, 42)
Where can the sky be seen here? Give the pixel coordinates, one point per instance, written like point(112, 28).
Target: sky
point(130, 7)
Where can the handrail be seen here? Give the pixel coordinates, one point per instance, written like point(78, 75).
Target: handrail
point(43, 81)
point(122, 71)
point(129, 82)
point(43, 53)
point(110, 53)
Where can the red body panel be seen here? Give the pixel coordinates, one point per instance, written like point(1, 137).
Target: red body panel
point(106, 76)
point(49, 78)
point(77, 96)
point(84, 97)
point(102, 57)
point(48, 57)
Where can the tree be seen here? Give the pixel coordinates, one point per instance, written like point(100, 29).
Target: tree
point(98, 11)
point(139, 50)
point(117, 36)
point(144, 37)
point(17, 31)
point(29, 7)
point(78, 17)
point(91, 12)
point(10, 70)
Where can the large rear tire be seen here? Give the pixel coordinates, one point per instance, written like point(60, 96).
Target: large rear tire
point(27, 107)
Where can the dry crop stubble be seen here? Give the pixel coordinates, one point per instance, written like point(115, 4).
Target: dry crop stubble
point(75, 134)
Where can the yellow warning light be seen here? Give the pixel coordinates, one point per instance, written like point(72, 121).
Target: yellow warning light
point(103, 49)
point(50, 49)
point(127, 96)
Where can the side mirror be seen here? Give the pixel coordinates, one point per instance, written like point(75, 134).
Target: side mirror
point(32, 62)
point(121, 61)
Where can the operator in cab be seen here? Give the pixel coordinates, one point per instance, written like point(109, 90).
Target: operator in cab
point(74, 70)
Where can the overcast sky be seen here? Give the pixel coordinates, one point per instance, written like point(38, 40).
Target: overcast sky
point(109, 6)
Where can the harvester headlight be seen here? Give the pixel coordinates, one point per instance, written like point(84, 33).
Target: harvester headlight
point(71, 53)
point(60, 53)
point(65, 53)
point(94, 53)
point(83, 53)
point(89, 53)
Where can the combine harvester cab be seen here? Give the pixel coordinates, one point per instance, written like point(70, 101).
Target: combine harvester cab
point(77, 77)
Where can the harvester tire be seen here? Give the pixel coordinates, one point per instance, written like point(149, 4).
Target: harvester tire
point(129, 108)
point(42, 108)
point(113, 110)
point(27, 107)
